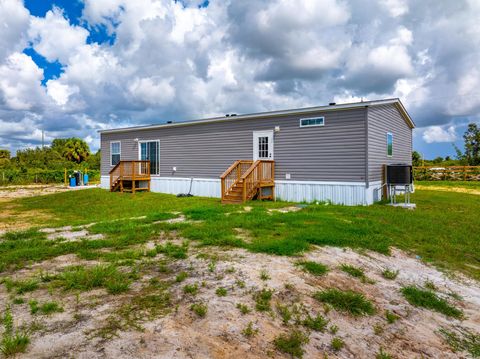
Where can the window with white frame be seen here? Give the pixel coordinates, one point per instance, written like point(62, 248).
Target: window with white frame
point(389, 144)
point(313, 121)
point(114, 153)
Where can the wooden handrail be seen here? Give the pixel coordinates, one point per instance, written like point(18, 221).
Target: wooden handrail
point(230, 169)
point(129, 170)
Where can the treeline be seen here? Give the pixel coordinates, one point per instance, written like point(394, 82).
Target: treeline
point(470, 156)
point(47, 164)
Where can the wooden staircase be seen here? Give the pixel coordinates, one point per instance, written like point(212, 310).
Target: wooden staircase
point(130, 176)
point(245, 180)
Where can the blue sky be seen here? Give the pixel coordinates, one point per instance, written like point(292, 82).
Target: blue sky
point(74, 67)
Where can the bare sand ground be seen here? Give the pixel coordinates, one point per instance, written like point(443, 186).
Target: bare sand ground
point(181, 334)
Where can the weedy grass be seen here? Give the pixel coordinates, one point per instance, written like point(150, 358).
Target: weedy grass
point(355, 272)
point(46, 308)
point(243, 308)
point(462, 340)
point(262, 299)
point(191, 289)
point(337, 344)
point(250, 331)
point(151, 302)
point(181, 277)
point(12, 341)
point(173, 251)
point(292, 343)
point(284, 312)
point(20, 286)
point(315, 268)
point(428, 299)
point(221, 292)
point(199, 309)
point(439, 231)
point(317, 323)
point(264, 275)
point(391, 317)
point(383, 355)
point(99, 276)
point(346, 301)
point(390, 274)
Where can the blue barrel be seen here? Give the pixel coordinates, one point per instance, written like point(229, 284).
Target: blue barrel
point(73, 182)
point(85, 179)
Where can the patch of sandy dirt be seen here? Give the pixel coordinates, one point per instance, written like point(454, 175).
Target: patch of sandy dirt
point(181, 334)
point(449, 189)
point(10, 192)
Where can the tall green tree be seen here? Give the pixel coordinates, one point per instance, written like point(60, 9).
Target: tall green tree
point(471, 138)
point(76, 150)
point(416, 159)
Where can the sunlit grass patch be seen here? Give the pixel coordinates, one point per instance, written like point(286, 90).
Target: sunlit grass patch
point(105, 276)
point(346, 301)
point(315, 268)
point(430, 300)
point(291, 343)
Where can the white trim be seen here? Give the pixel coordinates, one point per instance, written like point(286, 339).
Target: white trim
point(264, 133)
point(329, 183)
point(312, 118)
point(391, 134)
point(120, 152)
point(301, 111)
point(139, 142)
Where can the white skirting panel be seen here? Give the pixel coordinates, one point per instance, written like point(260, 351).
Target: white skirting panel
point(346, 193)
point(105, 182)
point(204, 187)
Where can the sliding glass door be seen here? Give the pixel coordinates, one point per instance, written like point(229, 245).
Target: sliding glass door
point(150, 151)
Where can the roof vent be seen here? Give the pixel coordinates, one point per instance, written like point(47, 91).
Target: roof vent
point(332, 104)
point(169, 122)
point(227, 115)
point(233, 114)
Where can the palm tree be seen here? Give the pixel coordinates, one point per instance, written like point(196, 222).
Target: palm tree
point(76, 150)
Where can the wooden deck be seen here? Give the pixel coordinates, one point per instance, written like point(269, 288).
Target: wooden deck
point(246, 180)
point(130, 176)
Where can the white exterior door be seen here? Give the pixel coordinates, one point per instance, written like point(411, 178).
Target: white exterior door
point(262, 145)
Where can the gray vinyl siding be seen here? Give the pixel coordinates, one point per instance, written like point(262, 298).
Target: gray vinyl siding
point(334, 152)
point(381, 120)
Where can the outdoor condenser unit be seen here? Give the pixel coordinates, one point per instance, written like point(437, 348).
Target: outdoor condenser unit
point(399, 178)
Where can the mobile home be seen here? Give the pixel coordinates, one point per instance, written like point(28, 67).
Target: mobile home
point(332, 153)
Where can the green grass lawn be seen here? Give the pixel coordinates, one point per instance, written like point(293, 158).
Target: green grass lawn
point(444, 229)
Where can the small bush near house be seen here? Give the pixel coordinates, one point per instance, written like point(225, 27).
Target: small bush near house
point(347, 301)
point(428, 299)
point(291, 343)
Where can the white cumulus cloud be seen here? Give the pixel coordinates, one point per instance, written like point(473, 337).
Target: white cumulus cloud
point(439, 134)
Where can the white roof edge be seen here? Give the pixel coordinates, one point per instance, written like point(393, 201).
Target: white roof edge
point(306, 111)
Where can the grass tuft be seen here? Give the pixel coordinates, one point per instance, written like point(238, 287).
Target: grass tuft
point(462, 340)
point(199, 309)
point(315, 268)
point(100, 276)
point(337, 344)
point(221, 292)
point(347, 301)
point(262, 299)
point(429, 300)
point(173, 251)
point(383, 355)
point(391, 317)
point(243, 308)
point(249, 331)
point(191, 289)
point(291, 343)
point(318, 323)
point(181, 277)
point(390, 274)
